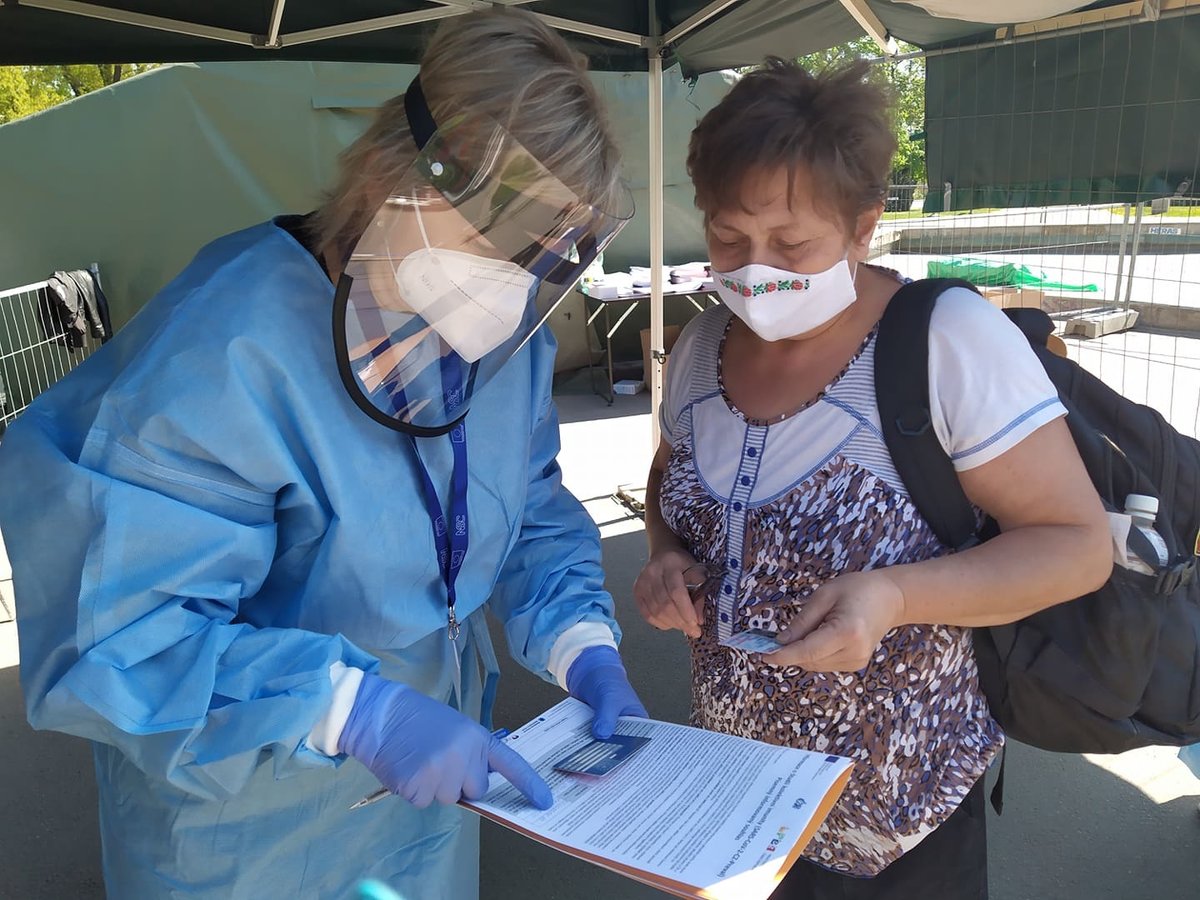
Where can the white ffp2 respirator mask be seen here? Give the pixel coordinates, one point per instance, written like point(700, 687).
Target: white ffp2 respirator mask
point(474, 303)
point(777, 304)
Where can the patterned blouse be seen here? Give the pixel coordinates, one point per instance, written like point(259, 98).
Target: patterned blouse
point(783, 507)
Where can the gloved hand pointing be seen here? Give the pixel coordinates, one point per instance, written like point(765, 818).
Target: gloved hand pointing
point(598, 678)
point(425, 751)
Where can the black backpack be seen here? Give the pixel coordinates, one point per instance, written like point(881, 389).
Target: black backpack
point(1107, 672)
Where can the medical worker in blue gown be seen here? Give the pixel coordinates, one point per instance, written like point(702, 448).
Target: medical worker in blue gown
point(253, 536)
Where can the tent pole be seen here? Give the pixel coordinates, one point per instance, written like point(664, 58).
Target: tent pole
point(869, 22)
point(599, 31)
point(363, 26)
point(689, 25)
point(141, 20)
point(656, 239)
point(272, 38)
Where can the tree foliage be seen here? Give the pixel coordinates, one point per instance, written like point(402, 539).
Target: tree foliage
point(906, 79)
point(29, 89)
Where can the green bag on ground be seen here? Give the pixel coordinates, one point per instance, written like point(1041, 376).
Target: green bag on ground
point(997, 272)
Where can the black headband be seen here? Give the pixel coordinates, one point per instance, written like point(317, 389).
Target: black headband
point(420, 119)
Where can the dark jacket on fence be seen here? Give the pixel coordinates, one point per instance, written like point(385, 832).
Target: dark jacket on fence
point(71, 307)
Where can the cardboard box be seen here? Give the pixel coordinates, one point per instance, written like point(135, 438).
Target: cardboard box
point(670, 336)
point(1008, 297)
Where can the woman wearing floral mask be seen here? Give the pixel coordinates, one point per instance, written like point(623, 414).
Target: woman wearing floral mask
point(774, 485)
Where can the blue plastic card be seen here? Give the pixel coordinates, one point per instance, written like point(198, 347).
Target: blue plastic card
point(753, 640)
point(601, 757)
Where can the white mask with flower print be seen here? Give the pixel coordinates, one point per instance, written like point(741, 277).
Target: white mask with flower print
point(777, 304)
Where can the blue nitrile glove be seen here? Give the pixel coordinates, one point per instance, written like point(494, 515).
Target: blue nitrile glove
point(599, 680)
point(425, 751)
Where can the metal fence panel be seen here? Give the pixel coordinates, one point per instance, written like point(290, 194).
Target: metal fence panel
point(30, 359)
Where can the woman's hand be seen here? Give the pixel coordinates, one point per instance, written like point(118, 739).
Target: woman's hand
point(842, 623)
point(663, 595)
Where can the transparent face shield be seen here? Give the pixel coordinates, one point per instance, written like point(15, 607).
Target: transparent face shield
point(461, 264)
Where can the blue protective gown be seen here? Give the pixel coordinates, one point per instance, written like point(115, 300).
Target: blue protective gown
point(201, 521)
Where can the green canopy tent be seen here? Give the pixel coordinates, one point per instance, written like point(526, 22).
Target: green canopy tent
point(616, 34)
point(620, 35)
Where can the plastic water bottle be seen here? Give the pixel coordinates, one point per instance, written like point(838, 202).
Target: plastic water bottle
point(1143, 510)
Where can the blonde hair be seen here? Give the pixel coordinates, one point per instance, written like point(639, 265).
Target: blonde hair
point(508, 65)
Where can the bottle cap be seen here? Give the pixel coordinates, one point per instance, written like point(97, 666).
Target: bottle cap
point(1141, 505)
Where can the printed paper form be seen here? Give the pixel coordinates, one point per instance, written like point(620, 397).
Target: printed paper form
point(695, 813)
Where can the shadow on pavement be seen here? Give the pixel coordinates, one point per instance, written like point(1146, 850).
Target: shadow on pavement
point(49, 837)
point(1074, 831)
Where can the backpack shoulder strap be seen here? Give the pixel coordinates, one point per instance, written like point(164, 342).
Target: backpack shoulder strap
point(902, 392)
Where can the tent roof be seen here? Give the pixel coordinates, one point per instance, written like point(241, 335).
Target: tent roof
point(733, 32)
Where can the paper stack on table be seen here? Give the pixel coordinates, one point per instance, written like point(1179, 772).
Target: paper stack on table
point(641, 276)
point(693, 813)
point(611, 285)
point(635, 282)
point(693, 271)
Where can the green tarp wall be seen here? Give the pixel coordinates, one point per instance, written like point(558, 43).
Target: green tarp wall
point(1100, 117)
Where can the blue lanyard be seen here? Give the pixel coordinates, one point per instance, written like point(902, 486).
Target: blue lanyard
point(451, 535)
